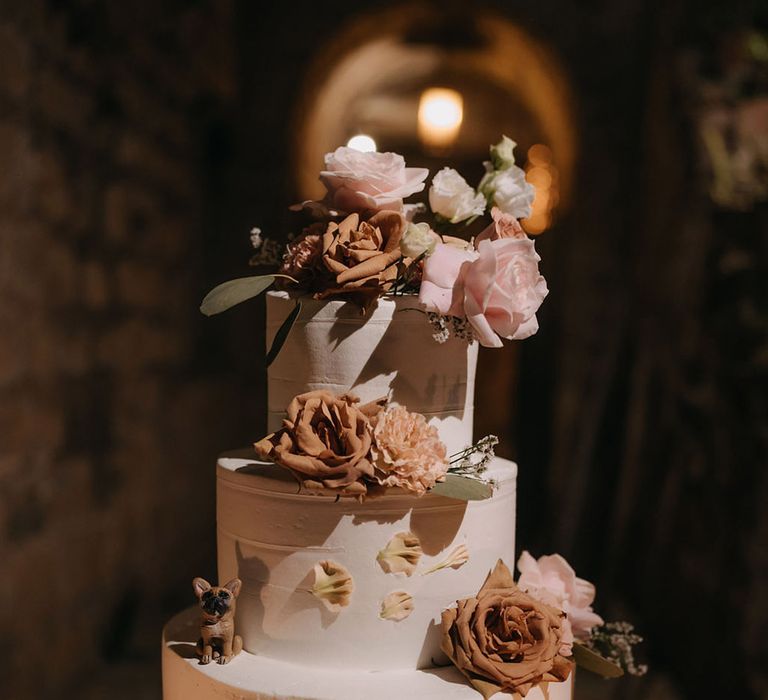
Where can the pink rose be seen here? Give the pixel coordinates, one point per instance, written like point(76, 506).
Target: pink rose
point(498, 288)
point(551, 580)
point(503, 226)
point(503, 290)
point(358, 181)
point(441, 290)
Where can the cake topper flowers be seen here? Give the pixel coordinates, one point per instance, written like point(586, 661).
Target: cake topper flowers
point(369, 181)
point(464, 253)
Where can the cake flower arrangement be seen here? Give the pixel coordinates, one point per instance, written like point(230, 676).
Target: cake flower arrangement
point(363, 241)
point(512, 635)
point(333, 444)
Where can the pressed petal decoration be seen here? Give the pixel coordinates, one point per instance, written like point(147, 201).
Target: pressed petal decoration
point(333, 585)
point(401, 555)
point(396, 606)
point(456, 559)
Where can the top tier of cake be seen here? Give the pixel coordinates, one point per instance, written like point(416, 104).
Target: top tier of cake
point(388, 352)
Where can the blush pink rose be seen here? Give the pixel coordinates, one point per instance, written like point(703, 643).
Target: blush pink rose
point(551, 580)
point(441, 290)
point(503, 290)
point(503, 226)
point(358, 181)
point(497, 288)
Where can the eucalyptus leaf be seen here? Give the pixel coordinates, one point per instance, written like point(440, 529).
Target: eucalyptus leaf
point(282, 333)
point(592, 661)
point(231, 293)
point(462, 488)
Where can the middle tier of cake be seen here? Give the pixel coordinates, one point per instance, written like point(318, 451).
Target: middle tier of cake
point(272, 535)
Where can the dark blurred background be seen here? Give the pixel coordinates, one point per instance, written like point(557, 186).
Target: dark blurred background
point(141, 141)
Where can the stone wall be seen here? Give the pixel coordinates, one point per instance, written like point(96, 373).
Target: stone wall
point(110, 413)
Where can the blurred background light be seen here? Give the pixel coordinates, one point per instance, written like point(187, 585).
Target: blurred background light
point(441, 111)
point(541, 172)
point(362, 142)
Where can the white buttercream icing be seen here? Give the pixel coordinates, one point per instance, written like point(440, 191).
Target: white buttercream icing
point(388, 352)
point(271, 536)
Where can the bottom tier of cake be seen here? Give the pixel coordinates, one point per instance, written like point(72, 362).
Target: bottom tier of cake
point(250, 677)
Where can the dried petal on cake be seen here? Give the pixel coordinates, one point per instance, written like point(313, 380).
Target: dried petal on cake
point(456, 559)
point(396, 606)
point(333, 585)
point(401, 555)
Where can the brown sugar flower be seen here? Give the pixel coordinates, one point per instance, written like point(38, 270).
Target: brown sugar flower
point(325, 441)
point(503, 640)
point(362, 256)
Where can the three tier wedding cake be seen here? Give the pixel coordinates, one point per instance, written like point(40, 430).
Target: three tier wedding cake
point(367, 540)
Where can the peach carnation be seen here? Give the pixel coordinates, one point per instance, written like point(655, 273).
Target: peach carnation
point(407, 452)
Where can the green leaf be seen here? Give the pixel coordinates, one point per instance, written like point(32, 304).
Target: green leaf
point(462, 488)
point(231, 293)
point(592, 661)
point(282, 333)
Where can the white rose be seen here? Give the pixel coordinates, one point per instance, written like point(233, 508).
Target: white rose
point(509, 191)
point(418, 239)
point(358, 181)
point(451, 197)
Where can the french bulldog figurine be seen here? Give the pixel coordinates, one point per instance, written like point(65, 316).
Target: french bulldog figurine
point(217, 623)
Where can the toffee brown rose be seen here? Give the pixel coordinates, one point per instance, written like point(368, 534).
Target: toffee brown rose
point(503, 640)
point(325, 441)
point(362, 256)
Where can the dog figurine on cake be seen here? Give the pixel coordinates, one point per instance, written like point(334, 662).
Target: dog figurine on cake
point(218, 640)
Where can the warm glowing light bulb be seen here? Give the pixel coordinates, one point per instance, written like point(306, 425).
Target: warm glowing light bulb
point(362, 142)
point(441, 111)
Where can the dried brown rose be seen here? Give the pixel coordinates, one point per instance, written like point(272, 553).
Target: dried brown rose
point(362, 257)
point(325, 441)
point(302, 261)
point(504, 640)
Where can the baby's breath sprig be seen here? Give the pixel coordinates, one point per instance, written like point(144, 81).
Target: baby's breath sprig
point(615, 641)
point(472, 461)
point(445, 326)
point(440, 330)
